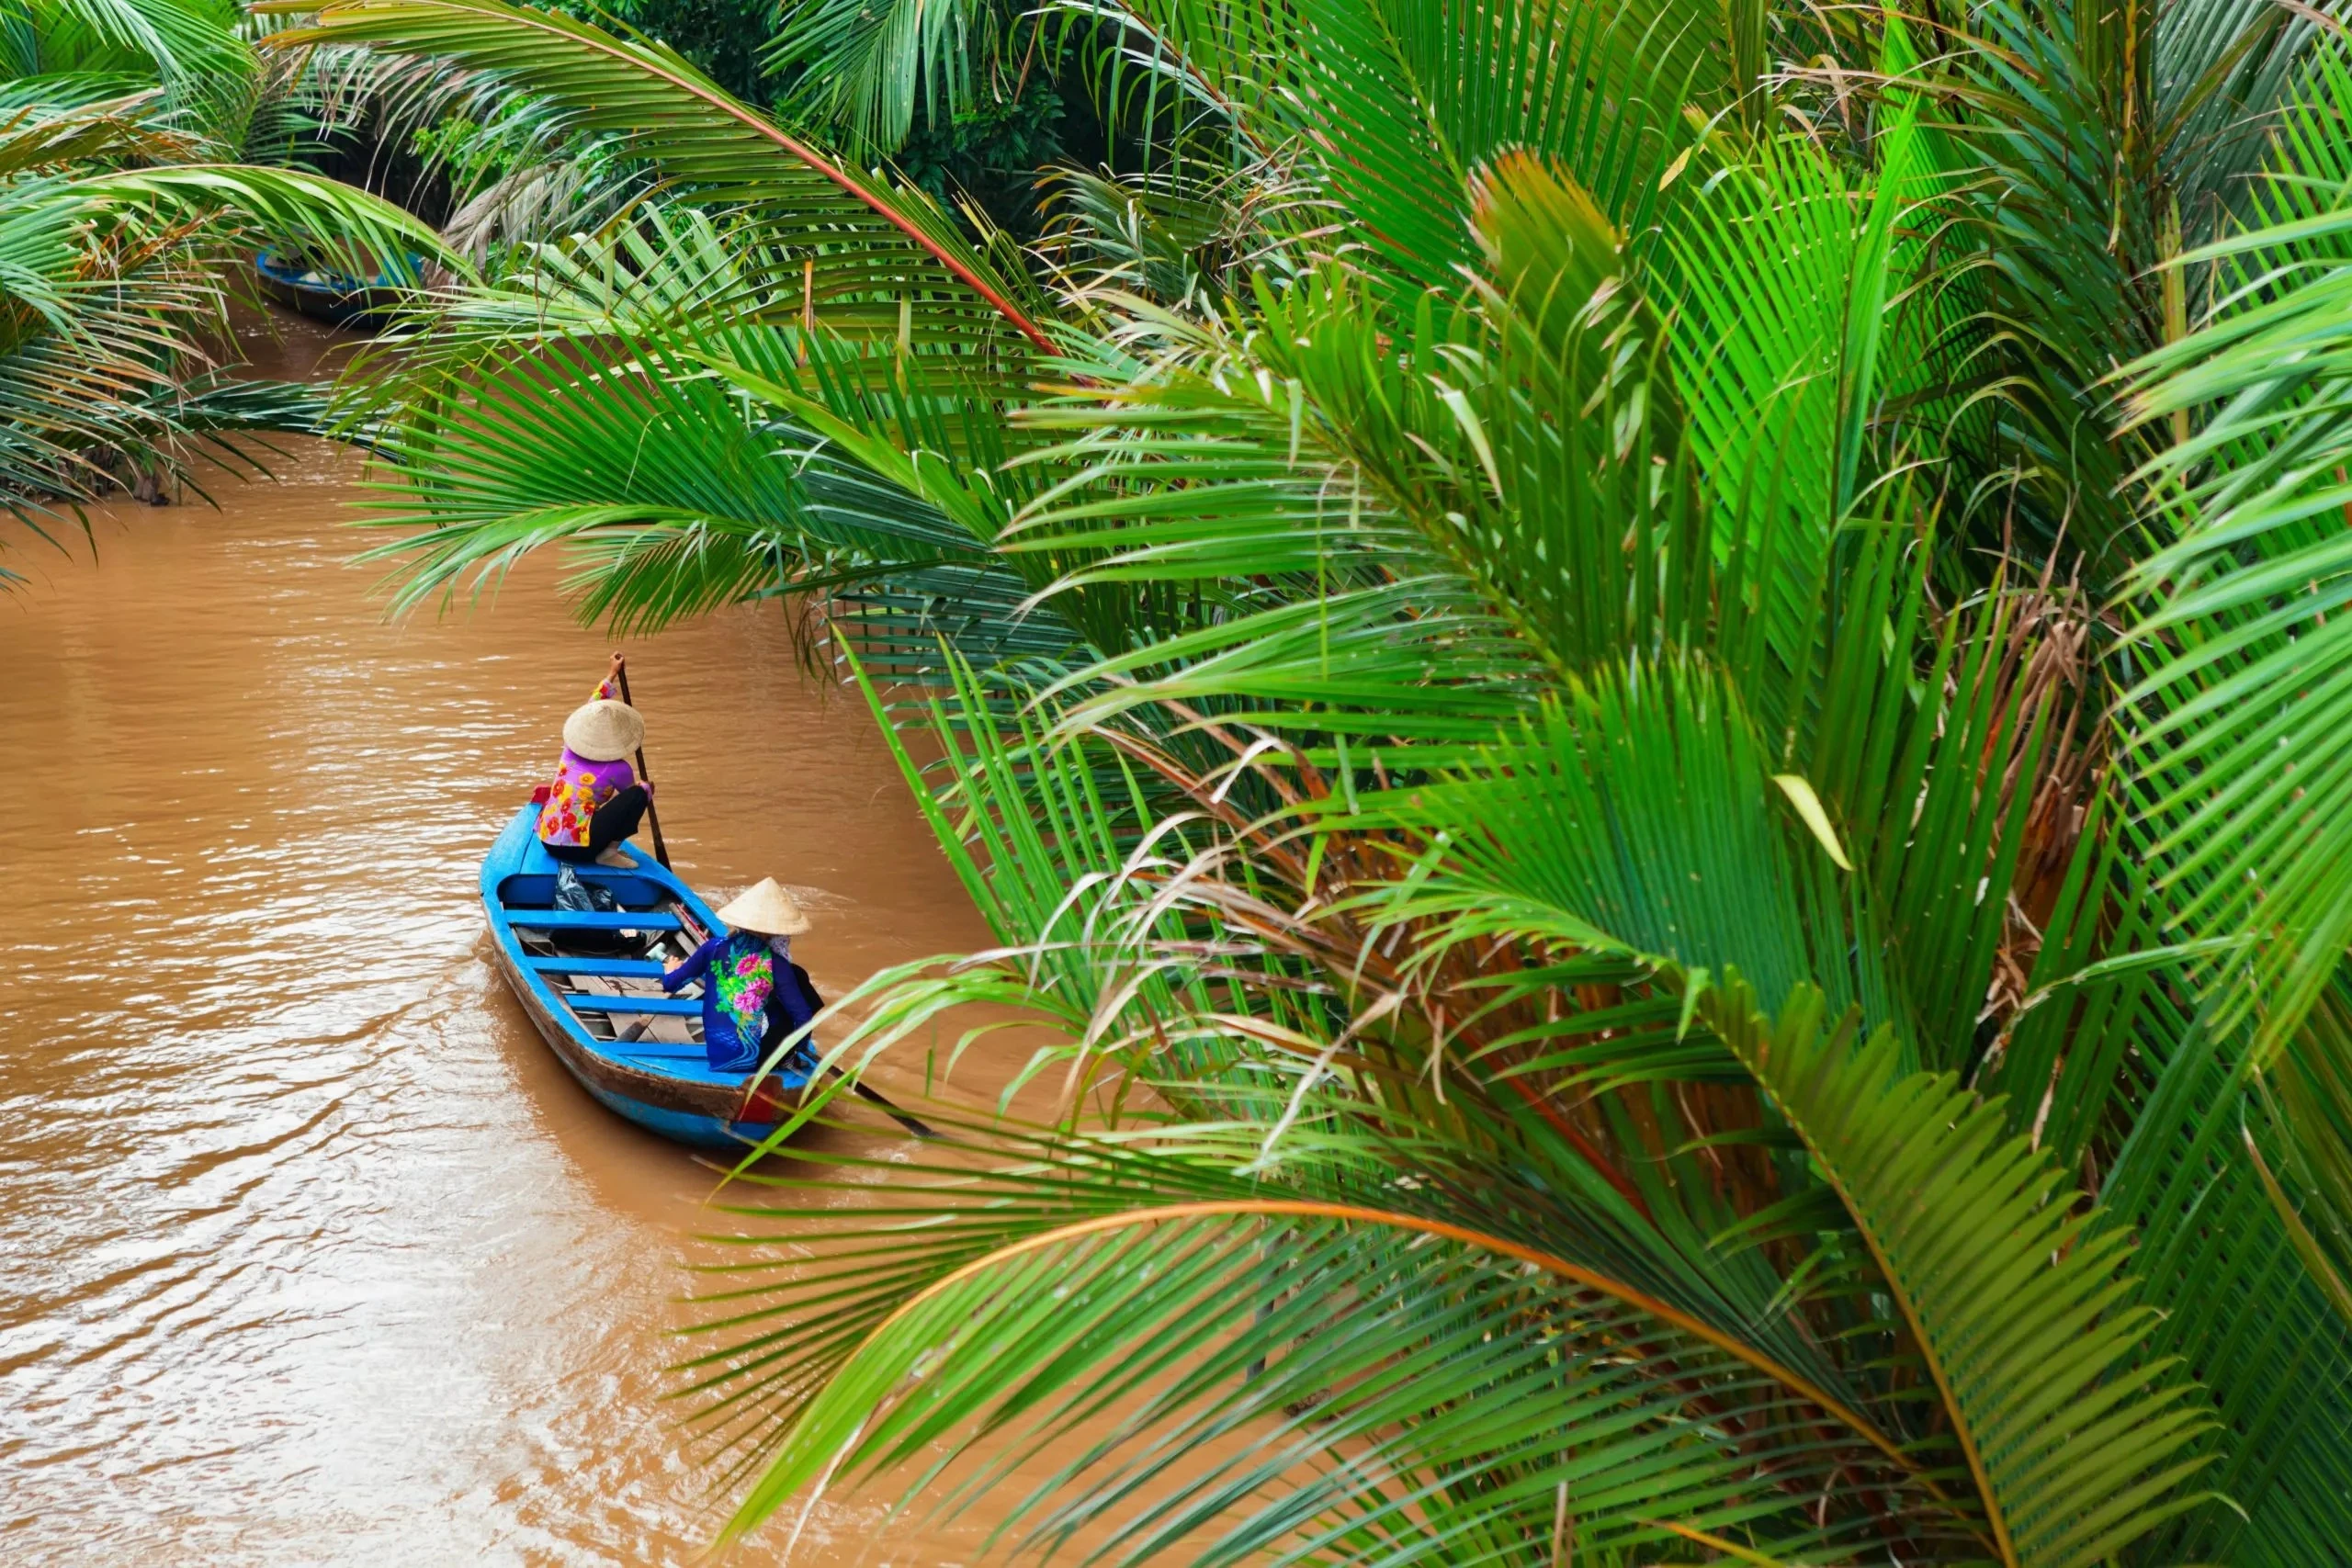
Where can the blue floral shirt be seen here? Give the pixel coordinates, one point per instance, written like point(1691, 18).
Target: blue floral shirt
point(749, 995)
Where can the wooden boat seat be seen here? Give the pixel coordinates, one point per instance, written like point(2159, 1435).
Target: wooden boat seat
point(531, 886)
point(664, 1027)
point(538, 892)
point(591, 920)
point(590, 1001)
point(580, 964)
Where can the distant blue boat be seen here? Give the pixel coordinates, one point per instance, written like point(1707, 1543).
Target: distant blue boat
point(591, 982)
point(331, 295)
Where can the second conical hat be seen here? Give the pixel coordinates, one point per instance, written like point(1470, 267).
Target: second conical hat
point(767, 909)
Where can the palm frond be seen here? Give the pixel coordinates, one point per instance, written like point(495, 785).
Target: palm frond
point(2241, 654)
point(861, 234)
point(866, 68)
point(2014, 1300)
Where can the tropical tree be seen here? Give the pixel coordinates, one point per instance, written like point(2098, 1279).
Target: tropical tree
point(127, 211)
point(1680, 870)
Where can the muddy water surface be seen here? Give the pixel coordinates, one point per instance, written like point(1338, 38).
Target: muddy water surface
point(310, 1253)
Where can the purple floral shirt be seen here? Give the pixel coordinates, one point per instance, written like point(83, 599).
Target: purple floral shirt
point(579, 787)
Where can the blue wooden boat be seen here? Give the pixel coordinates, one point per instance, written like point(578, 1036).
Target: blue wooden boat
point(330, 296)
point(592, 983)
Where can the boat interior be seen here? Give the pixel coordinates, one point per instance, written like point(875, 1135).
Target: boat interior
point(608, 967)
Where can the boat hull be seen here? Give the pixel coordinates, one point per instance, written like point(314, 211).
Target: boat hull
point(345, 302)
point(685, 1103)
point(651, 1101)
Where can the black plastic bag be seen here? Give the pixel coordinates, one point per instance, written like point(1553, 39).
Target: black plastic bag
point(587, 898)
point(583, 897)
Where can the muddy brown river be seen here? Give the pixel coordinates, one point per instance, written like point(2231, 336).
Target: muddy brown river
point(310, 1251)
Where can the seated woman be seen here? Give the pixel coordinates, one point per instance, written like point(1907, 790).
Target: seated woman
point(596, 799)
point(754, 995)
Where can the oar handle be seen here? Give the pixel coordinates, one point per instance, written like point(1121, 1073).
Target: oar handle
point(653, 812)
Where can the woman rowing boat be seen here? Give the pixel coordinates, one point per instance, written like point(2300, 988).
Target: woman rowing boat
point(596, 799)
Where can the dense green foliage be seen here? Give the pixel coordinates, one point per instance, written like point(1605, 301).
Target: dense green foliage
point(978, 127)
point(1645, 699)
point(145, 153)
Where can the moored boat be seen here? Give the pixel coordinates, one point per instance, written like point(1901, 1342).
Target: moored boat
point(327, 296)
point(591, 982)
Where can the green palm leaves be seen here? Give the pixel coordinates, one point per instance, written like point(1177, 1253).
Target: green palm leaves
point(2013, 1302)
point(866, 67)
point(863, 234)
point(1196, 1285)
point(831, 294)
point(2242, 659)
point(111, 228)
point(1535, 726)
point(1235, 1297)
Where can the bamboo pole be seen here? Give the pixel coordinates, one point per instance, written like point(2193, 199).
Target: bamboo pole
point(652, 813)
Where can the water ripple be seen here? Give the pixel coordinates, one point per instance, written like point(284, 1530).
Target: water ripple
point(308, 1252)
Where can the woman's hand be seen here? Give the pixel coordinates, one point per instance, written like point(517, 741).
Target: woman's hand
point(614, 669)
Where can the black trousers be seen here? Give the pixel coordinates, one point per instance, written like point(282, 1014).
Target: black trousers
point(614, 820)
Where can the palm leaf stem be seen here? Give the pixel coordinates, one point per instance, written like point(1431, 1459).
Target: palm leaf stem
point(1560, 1267)
point(1551, 1263)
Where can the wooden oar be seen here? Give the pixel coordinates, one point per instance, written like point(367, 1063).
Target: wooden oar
point(858, 1087)
point(652, 816)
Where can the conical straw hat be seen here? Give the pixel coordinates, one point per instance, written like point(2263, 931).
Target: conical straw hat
point(604, 731)
point(767, 909)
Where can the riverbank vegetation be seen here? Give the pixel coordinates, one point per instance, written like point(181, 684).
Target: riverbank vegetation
point(1649, 693)
point(147, 151)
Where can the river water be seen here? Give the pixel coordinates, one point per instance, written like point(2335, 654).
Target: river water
point(310, 1252)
